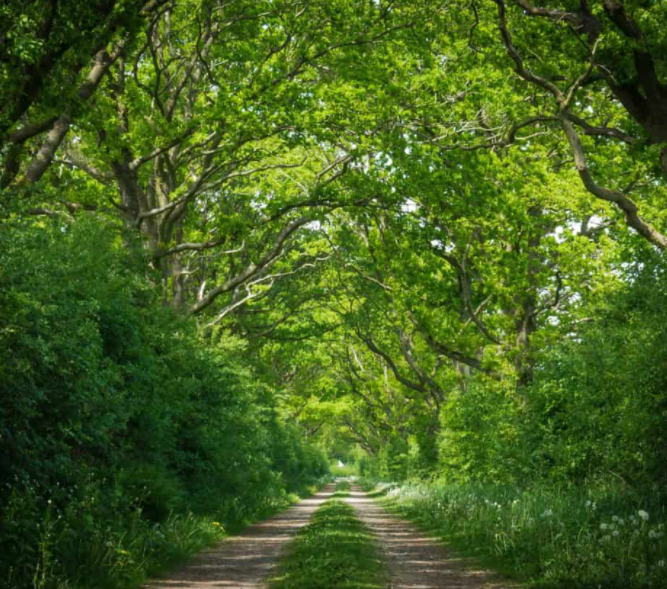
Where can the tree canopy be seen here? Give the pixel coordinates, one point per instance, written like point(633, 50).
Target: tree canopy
point(425, 237)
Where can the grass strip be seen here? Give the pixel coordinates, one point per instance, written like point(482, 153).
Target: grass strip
point(342, 490)
point(335, 551)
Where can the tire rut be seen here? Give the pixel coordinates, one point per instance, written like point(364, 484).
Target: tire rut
point(247, 560)
point(416, 560)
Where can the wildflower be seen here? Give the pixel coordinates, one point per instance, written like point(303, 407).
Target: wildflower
point(661, 563)
point(615, 532)
point(643, 514)
point(588, 503)
point(604, 526)
point(615, 518)
point(123, 551)
point(547, 513)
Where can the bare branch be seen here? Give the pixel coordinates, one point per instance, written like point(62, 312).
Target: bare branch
point(251, 171)
point(520, 68)
point(370, 344)
point(55, 136)
point(594, 131)
point(73, 161)
point(252, 269)
point(252, 295)
point(28, 131)
point(369, 278)
point(139, 161)
point(621, 200)
point(197, 247)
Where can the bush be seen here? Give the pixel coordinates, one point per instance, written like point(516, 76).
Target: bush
point(122, 437)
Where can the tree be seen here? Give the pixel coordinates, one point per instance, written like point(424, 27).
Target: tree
point(47, 46)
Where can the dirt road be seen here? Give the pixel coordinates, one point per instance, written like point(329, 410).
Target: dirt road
point(244, 561)
point(415, 560)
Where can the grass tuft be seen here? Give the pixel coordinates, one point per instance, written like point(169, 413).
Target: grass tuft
point(342, 490)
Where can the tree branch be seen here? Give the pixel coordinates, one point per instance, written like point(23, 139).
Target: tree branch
point(627, 205)
point(253, 268)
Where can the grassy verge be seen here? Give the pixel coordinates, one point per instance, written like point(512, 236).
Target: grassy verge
point(183, 541)
point(123, 553)
point(335, 550)
point(546, 537)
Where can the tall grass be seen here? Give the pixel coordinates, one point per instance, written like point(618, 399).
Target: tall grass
point(82, 548)
point(117, 558)
point(550, 537)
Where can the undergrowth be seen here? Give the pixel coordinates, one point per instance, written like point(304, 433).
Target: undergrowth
point(122, 553)
point(549, 537)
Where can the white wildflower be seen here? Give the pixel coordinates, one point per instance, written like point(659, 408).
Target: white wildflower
point(547, 513)
point(604, 526)
point(615, 532)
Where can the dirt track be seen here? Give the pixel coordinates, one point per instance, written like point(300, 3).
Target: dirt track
point(244, 561)
point(415, 560)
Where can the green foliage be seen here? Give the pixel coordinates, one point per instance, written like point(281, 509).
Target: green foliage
point(351, 229)
point(122, 437)
point(596, 409)
point(338, 469)
point(551, 537)
point(600, 399)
